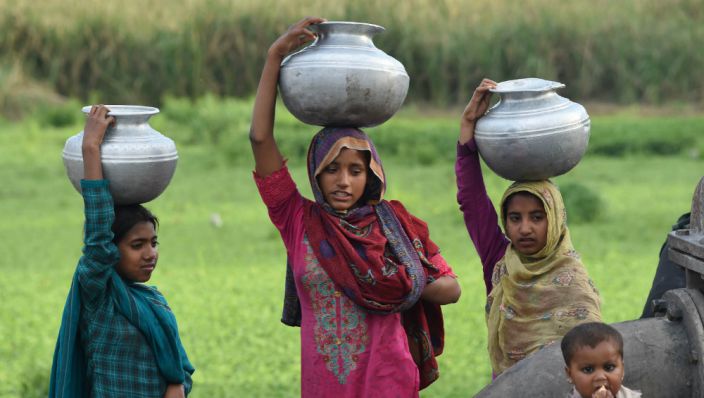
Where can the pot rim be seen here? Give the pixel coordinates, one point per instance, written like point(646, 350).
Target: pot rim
point(126, 110)
point(373, 28)
point(529, 84)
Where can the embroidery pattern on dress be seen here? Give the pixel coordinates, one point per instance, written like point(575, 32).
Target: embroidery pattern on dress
point(573, 253)
point(508, 311)
point(580, 313)
point(489, 302)
point(499, 271)
point(358, 231)
point(545, 316)
point(527, 284)
point(591, 284)
point(548, 197)
point(340, 329)
point(516, 354)
point(367, 278)
point(389, 269)
point(563, 279)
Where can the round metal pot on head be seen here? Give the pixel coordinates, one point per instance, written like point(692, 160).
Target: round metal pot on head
point(342, 79)
point(137, 160)
point(532, 133)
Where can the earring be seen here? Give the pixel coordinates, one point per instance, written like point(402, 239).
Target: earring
point(569, 380)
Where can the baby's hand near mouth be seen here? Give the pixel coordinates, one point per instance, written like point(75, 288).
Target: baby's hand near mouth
point(602, 392)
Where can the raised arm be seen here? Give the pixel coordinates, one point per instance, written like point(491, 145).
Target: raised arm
point(476, 108)
point(99, 253)
point(267, 157)
point(480, 218)
point(93, 134)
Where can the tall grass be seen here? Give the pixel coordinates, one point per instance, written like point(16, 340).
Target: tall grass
point(132, 51)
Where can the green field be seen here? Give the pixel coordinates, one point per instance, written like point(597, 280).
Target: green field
point(225, 284)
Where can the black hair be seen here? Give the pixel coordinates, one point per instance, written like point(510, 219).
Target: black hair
point(127, 216)
point(504, 207)
point(372, 189)
point(589, 334)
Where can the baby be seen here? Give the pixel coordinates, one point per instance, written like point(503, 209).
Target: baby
point(593, 355)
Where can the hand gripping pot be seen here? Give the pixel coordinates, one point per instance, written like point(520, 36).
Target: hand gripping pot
point(342, 79)
point(138, 160)
point(532, 133)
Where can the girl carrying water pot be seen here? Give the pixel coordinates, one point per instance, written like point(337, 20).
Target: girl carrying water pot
point(365, 282)
point(118, 336)
point(537, 287)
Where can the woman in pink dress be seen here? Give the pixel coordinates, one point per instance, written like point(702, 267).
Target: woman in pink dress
point(364, 280)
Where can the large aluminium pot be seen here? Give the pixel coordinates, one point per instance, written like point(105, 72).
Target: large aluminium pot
point(342, 79)
point(532, 133)
point(137, 160)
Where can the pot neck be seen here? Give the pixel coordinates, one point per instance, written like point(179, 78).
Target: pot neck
point(132, 119)
point(528, 102)
point(129, 114)
point(520, 96)
point(346, 34)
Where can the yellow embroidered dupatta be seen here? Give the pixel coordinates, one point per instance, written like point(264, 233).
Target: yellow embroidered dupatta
point(535, 300)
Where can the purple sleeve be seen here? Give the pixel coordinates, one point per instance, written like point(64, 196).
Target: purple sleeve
point(479, 215)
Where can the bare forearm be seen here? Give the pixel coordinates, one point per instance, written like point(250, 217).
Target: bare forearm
point(265, 102)
point(261, 134)
point(444, 290)
point(466, 131)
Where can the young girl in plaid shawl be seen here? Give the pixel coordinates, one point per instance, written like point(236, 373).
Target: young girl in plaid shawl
point(365, 282)
point(118, 337)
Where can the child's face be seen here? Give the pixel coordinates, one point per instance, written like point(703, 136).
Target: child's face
point(138, 253)
point(343, 181)
point(526, 223)
point(592, 368)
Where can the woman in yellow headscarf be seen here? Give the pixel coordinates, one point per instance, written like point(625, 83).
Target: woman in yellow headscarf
point(537, 287)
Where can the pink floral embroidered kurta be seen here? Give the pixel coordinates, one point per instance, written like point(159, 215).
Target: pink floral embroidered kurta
point(345, 351)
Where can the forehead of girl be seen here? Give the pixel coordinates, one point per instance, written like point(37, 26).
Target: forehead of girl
point(351, 156)
point(523, 201)
point(143, 230)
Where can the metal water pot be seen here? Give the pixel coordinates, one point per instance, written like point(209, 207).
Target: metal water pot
point(138, 160)
point(532, 133)
point(342, 79)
